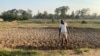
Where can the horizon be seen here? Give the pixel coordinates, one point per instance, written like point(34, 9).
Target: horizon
point(50, 5)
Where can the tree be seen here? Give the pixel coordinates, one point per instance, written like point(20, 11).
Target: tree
point(57, 11)
point(40, 15)
point(84, 12)
point(72, 15)
point(9, 15)
point(62, 11)
point(94, 15)
point(29, 13)
point(15, 14)
point(51, 16)
point(45, 14)
point(77, 13)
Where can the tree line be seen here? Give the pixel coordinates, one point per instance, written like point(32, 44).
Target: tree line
point(15, 14)
point(60, 13)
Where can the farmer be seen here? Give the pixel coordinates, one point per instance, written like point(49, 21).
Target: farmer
point(63, 31)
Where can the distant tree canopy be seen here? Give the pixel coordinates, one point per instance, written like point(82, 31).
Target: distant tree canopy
point(72, 15)
point(44, 15)
point(82, 13)
point(59, 13)
point(62, 13)
point(15, 14)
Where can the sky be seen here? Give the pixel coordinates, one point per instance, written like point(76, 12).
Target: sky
point(50, 5)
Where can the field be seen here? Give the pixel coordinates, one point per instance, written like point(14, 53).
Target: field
point(43, 35)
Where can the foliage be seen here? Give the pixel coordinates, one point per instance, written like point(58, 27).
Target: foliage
point(17, 53)
point(72, 15)
point(83, 13)
point(15, 14)
point(60, 12)
point(78, 51)
point(82, 50)
point(83, 22)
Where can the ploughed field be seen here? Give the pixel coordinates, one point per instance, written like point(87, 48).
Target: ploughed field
point(48, 38)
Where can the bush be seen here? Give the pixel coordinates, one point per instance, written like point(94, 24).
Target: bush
point(83, 22)
point(78, 51)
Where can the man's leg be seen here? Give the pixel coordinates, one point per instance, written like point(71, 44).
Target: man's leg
point(65, 34)
point(62, 40)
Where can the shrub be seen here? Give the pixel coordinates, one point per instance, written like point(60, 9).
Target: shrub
point(83, 22)
point(78, 51)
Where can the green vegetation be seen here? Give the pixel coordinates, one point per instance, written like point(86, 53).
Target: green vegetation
point(32, 53)
point(18, 53)
point(48, 23)
point(78, 51)
point(82, 50)
point(15, 14)
point(45, 23)
point(60, 13)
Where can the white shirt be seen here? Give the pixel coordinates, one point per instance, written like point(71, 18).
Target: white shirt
point(63, 27)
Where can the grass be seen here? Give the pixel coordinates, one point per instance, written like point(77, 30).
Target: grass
point(90, 24)
point(78, 51)
point(81, 50)
point(13, 25)
point(18, 53)
point(49, 23)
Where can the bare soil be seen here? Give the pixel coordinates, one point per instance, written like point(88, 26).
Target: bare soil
point(48, 39)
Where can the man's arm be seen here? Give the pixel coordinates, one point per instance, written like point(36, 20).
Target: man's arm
point(67, 28)
point(59, 31)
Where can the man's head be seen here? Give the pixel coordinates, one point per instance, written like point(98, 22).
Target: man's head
point(62, 22)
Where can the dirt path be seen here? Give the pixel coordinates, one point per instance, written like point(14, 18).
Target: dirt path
point(47, 38)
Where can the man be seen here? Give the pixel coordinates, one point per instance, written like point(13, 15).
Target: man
point(63, 31)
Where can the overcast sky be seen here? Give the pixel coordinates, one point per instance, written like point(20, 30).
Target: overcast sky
point(50, 5)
